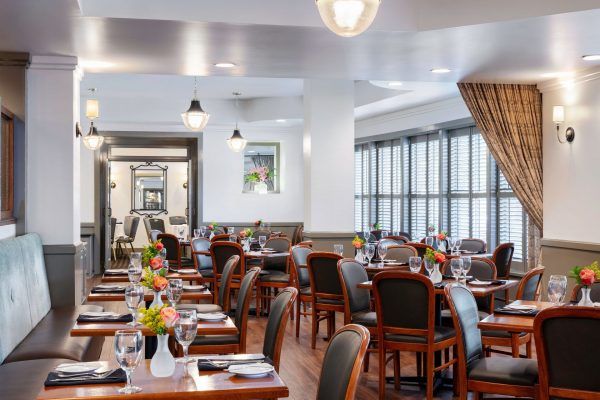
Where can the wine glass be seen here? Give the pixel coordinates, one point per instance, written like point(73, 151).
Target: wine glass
point(262, 240)
point(457, 245)
point(128, 351)
point(384, 234)
point(174, 291)
point(466, 266)
point(166, 264)
point(134, 296)
point(366, 236)
point(382, 251)
point(415, 264)
point(134, 272)
point(456, 266)
point(163, 253)
point(557, 288)
point(233, 238)
point(197, 233)
point(338, 249)
point(186, 328)
point(451, 242)
point(370, 251)
point(230, 230)
point(429, 241)
point(429, 266)
point(203, 231)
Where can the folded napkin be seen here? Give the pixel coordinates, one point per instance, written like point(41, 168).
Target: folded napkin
point(105, 318)
point(108, 289)
point(208, 364)
point(512, 311)
point(54, 379)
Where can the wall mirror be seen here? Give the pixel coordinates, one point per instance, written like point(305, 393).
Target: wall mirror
point(261, 168)
point(148, 189)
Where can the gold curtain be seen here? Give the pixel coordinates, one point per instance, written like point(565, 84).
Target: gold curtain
point(510, 120)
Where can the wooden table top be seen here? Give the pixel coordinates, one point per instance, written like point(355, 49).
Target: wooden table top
point(478, 291)
point(513, 323)
point(203, 385)
point(374, 268)
point(225, 327)
point(259, 254)
point(149, 296)
point(171, 275)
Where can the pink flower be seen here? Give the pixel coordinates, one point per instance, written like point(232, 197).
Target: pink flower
point(243, 234)
point(169, 315)
point(587, 277)
point(159, 246)
point(156, 263)
point(159, 283)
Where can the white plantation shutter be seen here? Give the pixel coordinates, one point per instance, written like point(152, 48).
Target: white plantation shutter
point(511, 218)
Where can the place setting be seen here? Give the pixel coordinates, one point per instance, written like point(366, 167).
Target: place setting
point(108, 288)
point(85, 373)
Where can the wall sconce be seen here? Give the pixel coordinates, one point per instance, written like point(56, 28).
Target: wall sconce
point(92, 140)
point(558, 117)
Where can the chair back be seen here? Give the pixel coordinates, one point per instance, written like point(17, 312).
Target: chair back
point(465, 317)
point(222, 237)
point(201, 261)
point(420, 247)
point(406, 235)
point(399, 239)
point(299, 256)
point(405, 304)
point(388, 241)
point(473, 245)
point(130, 226)
point(152, 224)
point(401, 253)
point(154, 235)
point(502, 258)
point(323, 276)
point(177, 220)
point(376, 234)
point(171, 243)
point(342, 363)
point(594, 293)
point(243, 305)
point(261, 232)
point(220, 252)
point(565, 342)
point(529, 287)
point(225, 287)
point(278, 318)
point(483, 269)
point(277, 263)
point(113, 228)
point(351, 274)
point(298, 234)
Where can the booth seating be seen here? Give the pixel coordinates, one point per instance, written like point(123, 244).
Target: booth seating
point(34, 336)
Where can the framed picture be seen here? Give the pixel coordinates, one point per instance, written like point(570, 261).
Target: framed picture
point(261, 167)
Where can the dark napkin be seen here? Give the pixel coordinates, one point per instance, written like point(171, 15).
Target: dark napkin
point(441, 285)
point(205, 365)
point(451, 277)
point(108, 290)
point(118, 318)
point(508, 311)
point(118, 376)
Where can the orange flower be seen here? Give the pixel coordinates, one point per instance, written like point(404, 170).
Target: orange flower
point(159, 246)
point(159, 283)
point(156, 263)
point(439, 257)
point(587, 277)
point(441, 236)
point(169, 315)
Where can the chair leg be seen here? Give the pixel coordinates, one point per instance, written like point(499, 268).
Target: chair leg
point(397, 370)
point(430, 374)
point(455, 381)
point(366, 361)
point(382, 382)
point(514, 341)
point(298, 301)
point(528, 349)
point(257, 300)
point(314, 328)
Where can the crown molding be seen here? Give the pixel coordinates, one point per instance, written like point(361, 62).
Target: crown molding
point(581, 76)
point(68, 63)
point(177, 126)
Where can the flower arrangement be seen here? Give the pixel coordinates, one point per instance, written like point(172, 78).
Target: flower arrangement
point(154, 279)
point(434, 256)
point(586, 275)
point(151, 251)
point(246, 233)
point(258, 222)
point(212, 226)
point(159, 319)
point(259, 174)
point(376, 226)
point(442, 235)
point(358, 242)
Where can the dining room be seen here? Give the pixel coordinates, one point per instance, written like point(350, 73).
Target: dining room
point(330, 199)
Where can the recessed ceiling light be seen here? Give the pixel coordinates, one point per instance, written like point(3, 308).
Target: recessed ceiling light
point(95, 64)
point(394, 84)
point(440, 70)
point(224, 65)
point(280, 120)
point(591, 57)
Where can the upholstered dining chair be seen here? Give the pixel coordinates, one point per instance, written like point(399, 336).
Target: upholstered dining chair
point(220, 252)
point(357, 302)
point(202, 261)
point(301, 281)
point(565, 341)
point(154, 235)
point(420, 247)
point(342, 362)
point(222, 237)
point(224, 344)
point(377, 234)
point(274, 275)
point(154, 224)
point(398, 239)
point(298, 235)
point(406, 235)
point(261, 232)
point(326, 290)
point(473, 245)
point(171, 243)
point(401, 253)
point(405, 306)
point(502, 258)
point(594, 293)
point(495, 375)
point(130, 226)
point(177, 220)
point(281, 308)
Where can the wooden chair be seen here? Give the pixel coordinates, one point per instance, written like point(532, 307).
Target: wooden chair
point(502, 258)
point(222, 237)
point(401, 253)
point(496, 375)
point(274, 275)
point(474, 245)
point(203, 261)
point(301, 281)
point(306, 243)
point(224, 344)
point(405, 306)
point(398, 239)
point(220, 252)
point(171, 243)
point(342, 363)
point(594, 293)
point(420, 247)
point(566, 343)
point(281, 308)
point(326, 290)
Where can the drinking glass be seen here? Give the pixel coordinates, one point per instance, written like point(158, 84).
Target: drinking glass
point(166, 264)
point(384, 234)
point(262, 240)
point(174, 291)
point(429, 241)
point(186, 328)
point(429, 266)
point(557, 288)
point(338, 249)
point(134, 296)
point(181, 231)
point(128, 351)
point(466, 266)
point(451, 243)
point(457, 245)
point(382, 251)
point(135, 258)
point(415, 264)
point(230, 230)
point(370, 251)
point(366, 236)
point(197, 233)
point(163, 253)
point(203, 230)
point(134, 272)
point(456, 266)
point(233, 238)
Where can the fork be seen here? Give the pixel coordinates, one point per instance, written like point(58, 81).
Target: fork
point(84, 377)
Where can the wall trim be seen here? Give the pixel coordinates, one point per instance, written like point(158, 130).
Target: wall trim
point(61, 249)
point(579, 77)
point(571, 244)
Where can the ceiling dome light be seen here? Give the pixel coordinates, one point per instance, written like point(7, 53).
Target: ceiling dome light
point(93, 141)
point(591, 57)
point(224, 65)
point(195, 118)
point(348, 17)
point(440, 70)
point(236, 142)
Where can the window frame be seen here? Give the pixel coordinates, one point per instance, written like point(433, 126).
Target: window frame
point(7, 186)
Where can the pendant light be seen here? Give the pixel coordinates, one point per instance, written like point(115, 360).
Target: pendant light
point(195, 118)
point(236, 142)
point(348, 17)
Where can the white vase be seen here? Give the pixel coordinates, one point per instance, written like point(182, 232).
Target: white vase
point(212, 235)
point(360, 256)
point(585, 301)
point(162, 363)
point(261, 188)
point(436, 275)
point(157, 300)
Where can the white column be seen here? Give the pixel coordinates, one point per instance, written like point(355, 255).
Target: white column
point(328, 158)
point(52, 151)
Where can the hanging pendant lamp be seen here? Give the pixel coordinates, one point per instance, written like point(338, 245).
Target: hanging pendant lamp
point(195, 118)
point(348, 17)
point(236, 142)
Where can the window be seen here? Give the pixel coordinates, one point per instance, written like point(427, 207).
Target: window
point(446, 178)
point(6, 167)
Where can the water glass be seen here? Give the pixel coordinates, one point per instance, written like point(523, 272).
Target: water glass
point(128, 352)
point(186, 328)
point(382, 251)
point(174, 291)
point(466, 265)
point(451, 242)
point(166, 264)
point(369, 251)
point(134, 296)
point(557, 288)
point(429, 241)
point(457, 245)
point(384, 234)
point(197, 233)
point(233, 238)
point(338, 249)
point(456, 266)
point(415, 264)
point(163, 253)
point(203, 231)
point(230, 230)
point(262, 240)
point(136, 258)
point(134, 272)
point(429, 266)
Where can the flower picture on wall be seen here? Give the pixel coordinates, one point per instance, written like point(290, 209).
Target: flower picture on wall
point(261, 168)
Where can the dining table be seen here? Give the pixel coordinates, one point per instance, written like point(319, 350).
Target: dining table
point(123, 277)
point(499, 321)
point(194, 295)
point(478, 291)
point(193, 385)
